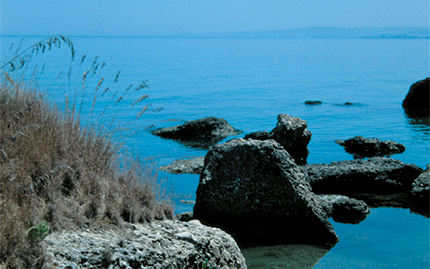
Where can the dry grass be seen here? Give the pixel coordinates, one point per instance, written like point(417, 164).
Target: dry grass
point(52, 169)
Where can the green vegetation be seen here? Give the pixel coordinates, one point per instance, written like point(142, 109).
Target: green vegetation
point(37, 234)
point(56, 173)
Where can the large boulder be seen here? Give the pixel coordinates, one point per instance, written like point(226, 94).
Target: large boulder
point(362, 147)
point(420, 193)
point(255, 191)
point(159, 244)
point(375, 178)
point(291, 133)
point(416, 102)
point(201, 133)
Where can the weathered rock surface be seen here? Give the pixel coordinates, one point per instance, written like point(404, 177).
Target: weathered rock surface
point(202, 133)
point(416, 102)
point(344, 209)
point(291, 133)
point(189, 166)
point(160, 244)
point(255, 191)
point(343, 204)
point(362, 147)
point(376, 176)
point(420, 193)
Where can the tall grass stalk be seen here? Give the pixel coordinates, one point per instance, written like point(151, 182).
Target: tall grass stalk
point(55, 169)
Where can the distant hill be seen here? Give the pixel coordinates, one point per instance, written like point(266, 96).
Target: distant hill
point(332, 32)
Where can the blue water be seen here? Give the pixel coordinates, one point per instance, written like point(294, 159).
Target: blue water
point(249, 82)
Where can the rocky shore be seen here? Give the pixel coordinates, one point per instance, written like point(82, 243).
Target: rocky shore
point(159, 244)
point(261, 191)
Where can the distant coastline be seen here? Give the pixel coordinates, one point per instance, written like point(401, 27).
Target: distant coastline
point(297, 33)
point(341, 33)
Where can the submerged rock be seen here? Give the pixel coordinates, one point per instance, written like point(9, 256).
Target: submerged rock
point(254, 190)
point(189, 166)
point(291, 133)
point(344, 209)
point(416, 102)
point(362, 147)
point(159, 244)
point(202, 133)
point(346, 104)
point(284, 256)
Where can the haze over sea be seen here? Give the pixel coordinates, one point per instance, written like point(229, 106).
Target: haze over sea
point(249, 79)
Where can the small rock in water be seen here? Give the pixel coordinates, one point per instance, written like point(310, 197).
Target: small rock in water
point(376, 175)
point(362, 147)
point(316, 102)
point(292, 133)
point(200, 133)
point(189, 166)
point(416, 102)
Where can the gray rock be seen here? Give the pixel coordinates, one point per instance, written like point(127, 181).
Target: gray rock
point(184, 216)
point(201, 133)
point(292, 134)
point(420, 193)
point(362, 147)
point(344, 209)
point(254, 190)
point(416, 102)
point(377, 176)
point(190, 166)
point(159, 244)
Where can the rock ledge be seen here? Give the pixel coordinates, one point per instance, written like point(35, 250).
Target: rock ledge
point(159, 244)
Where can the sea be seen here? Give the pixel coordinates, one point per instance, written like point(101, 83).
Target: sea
point(249, 81)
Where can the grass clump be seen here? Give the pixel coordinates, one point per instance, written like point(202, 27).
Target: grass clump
point(57, 174)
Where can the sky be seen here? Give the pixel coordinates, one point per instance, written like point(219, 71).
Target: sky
point(170, 17)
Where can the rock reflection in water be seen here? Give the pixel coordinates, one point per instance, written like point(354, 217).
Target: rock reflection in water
point(420, 126)
point(283, 256)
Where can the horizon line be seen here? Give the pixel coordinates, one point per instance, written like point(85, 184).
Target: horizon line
point(231, 34)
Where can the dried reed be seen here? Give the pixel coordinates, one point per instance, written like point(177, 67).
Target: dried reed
point(55, 169)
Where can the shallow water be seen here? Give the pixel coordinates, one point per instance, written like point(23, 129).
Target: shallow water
point(249, 82)
point(387, 238)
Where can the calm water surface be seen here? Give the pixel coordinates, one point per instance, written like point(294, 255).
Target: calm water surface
point(249, 82)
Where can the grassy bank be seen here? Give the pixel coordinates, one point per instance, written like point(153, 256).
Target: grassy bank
point(55, 170)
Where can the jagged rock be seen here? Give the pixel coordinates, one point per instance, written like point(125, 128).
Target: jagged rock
point(159, 244)
point(362, 147)
point(201, 133)
point(255, 191)
point(416, 102)
point(420, 193)
point(344, 209)
point(375, 176)
point(190, 166)
point(291, 133)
